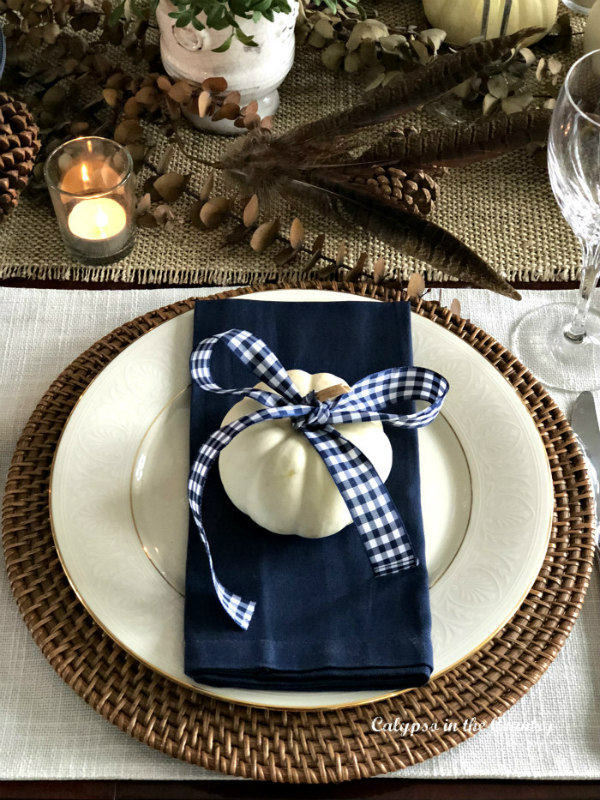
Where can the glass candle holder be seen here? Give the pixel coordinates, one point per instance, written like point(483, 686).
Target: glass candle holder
point(92, 186)
point(579, 6)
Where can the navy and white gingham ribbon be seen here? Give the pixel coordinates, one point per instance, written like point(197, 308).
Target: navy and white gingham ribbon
point(372, 509)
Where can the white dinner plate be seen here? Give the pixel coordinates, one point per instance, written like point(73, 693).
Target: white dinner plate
point(119, 515)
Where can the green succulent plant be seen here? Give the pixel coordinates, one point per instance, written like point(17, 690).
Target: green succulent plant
point(223, 14)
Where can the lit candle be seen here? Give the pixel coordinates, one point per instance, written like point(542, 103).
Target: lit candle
point(91, 183)
point(97, 218)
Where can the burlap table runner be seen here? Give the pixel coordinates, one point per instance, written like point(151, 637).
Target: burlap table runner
point(504, 208)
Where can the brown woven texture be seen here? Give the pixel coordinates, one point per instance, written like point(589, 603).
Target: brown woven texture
point(292, 746)
point(504, 208)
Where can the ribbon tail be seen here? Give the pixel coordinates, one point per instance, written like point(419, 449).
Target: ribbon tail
point(368, 398)
point(373, 511)
point(239, 609)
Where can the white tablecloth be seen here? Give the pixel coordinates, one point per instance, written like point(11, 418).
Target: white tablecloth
point(47, 731)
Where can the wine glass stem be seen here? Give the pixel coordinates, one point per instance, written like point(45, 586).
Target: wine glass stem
point(590, 269)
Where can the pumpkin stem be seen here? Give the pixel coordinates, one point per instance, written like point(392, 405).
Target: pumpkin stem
point(332, 392)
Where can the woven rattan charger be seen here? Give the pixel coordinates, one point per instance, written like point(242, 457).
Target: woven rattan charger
point(292, 746)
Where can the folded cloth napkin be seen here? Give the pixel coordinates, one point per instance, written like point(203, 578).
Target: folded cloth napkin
point(323, 621)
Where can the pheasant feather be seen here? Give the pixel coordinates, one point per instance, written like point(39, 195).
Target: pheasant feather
point(421, 86)
point(413, 235)
point(311, 163)
point(458, 145)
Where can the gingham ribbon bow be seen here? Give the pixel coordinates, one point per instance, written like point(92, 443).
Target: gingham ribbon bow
point(372, 509)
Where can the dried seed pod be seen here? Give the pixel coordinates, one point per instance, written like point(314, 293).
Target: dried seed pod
point(115, 81)
point(129, 131)
point(415, 287)
point(316, 253)
point(296, 233)
point(455, 307)
point(333, 55)
point(163, 215)
point(171, 185)
point(251, 211)
point(379, 270)
point(163, 83)
point(264, 235)
point(132, 108)
point(232, 97)
point(497, 86)
point(147, 96)
point(226, 111)
point(251, 108)
point(214, 85)
point(203, 103)
point(111, 97)
point(251, 121)
point(144, 204)
point(180, 92)
point(138, 152)
point(312, 262)
point(341, 254)
point(357, 270)
point(318, 243)
point(54, 98)
point(214, 211)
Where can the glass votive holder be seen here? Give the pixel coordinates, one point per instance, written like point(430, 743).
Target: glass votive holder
point(92, 186)
point(579, 6)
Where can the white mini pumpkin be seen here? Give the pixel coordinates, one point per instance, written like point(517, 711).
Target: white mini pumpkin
point(463, 19)
point(271, 472)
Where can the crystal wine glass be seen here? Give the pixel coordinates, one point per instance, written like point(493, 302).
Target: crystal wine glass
point(560, 342)
point(579, 6)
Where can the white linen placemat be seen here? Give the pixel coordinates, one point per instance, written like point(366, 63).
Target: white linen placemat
point(47, 731)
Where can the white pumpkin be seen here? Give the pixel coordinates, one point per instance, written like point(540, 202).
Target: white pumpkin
point(271, 472)
point(463, 19)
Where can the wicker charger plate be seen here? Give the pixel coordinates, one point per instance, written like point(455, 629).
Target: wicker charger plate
point(299, 746)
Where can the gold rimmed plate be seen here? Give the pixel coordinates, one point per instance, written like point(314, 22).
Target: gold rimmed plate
point(119, 507)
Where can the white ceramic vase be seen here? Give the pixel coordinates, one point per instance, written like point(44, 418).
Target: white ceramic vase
point(591, 37)
point(255, 72)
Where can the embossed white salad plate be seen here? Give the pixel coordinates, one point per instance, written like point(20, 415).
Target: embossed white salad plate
point(118, 503)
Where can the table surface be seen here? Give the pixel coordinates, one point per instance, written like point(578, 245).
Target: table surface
point(47, 731)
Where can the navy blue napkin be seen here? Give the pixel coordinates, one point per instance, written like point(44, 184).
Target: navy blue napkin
point(322, 621)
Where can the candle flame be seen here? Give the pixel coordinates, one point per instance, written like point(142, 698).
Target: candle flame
point(84, 173)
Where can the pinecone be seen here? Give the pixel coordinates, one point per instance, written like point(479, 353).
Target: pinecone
point(19, 146)
point(414, 191)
